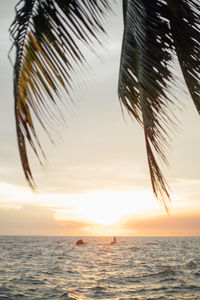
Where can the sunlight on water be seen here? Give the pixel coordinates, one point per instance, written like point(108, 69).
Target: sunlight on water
point(133, 268)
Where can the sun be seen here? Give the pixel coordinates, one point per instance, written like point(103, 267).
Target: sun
point(107, 208)
point(101, 209)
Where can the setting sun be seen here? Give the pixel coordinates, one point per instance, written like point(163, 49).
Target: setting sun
point(107, 208)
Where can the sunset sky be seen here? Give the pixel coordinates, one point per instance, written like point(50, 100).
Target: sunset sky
point(96, 180)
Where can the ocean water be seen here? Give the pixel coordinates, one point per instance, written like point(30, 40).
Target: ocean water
point(133, 268)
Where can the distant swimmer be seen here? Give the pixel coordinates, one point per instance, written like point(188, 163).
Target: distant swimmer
point(114, 240)
point(80, 242)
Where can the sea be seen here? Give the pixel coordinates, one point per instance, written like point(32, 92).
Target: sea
point(133, 268)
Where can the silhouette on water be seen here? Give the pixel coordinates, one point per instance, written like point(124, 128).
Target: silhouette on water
point(114, 241)
point(80, 242)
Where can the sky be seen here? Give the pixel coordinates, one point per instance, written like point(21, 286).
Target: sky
point(96, 179)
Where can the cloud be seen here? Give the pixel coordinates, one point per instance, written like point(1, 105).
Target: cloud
point(81, 178)
point(187, 182)
point(34, 220)
point(175, 225)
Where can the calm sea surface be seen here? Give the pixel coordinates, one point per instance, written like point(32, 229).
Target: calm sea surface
point(133, 268)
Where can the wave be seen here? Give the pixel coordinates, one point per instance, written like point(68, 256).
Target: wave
point(134, 248)
point(191, 264)
point(135, 269)
point(167, 271)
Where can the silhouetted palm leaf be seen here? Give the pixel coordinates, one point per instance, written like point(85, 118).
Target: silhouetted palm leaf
point(185, 15)
point(46, 35)
point(154, 30)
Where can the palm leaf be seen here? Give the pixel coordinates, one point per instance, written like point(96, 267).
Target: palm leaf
point(144, 77)
point(151, 37)
point(186, 16)
point(47, 36)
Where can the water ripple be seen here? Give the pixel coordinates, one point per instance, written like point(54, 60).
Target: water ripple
point(135, 268)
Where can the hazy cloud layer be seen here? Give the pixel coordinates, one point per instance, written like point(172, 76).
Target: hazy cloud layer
point(176, 225)
point(34, 220)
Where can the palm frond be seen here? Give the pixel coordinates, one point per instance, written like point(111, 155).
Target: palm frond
point(184, 19)
point(47, 36)
point(154, 31)
point(144, 77)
